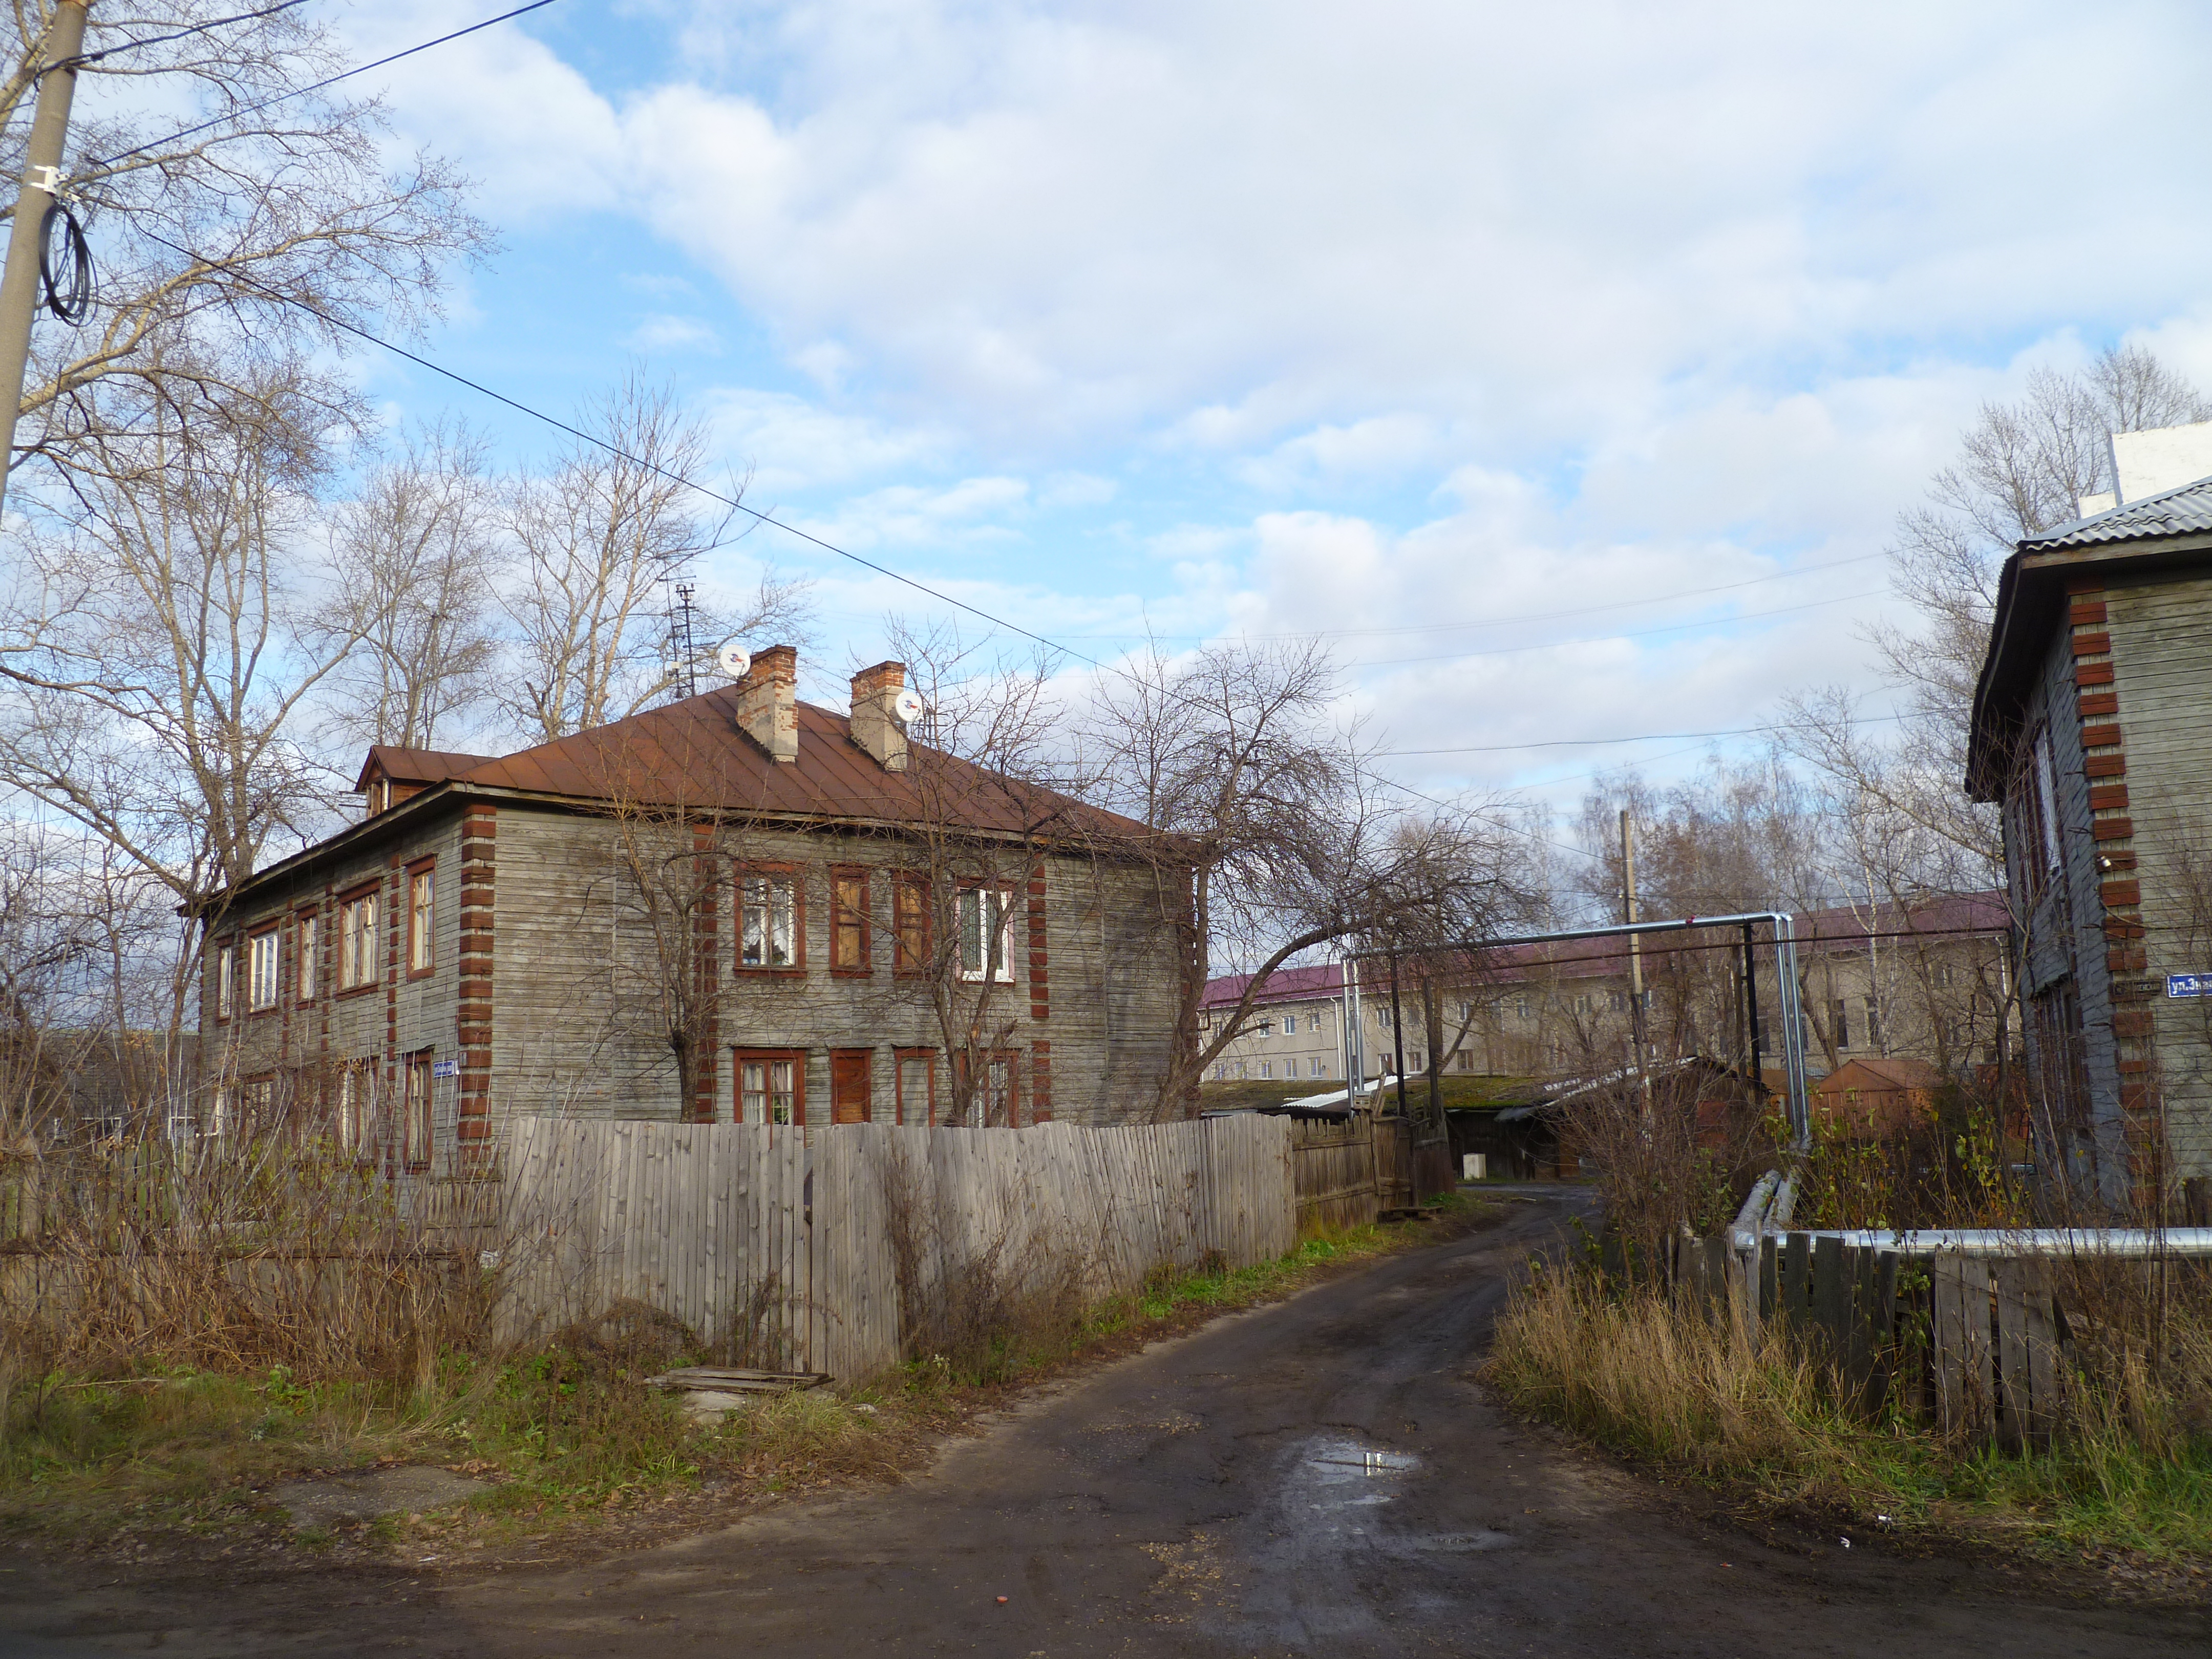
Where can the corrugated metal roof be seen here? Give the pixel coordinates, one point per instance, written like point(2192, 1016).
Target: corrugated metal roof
point(2184, 511)
point(693, 754)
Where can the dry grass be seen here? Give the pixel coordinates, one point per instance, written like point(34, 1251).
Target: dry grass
point(254, 1252)
point(2131, 1471)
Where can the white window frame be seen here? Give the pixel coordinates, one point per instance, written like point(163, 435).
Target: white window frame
point(357, 920)
point(971, 907)
point(226, 974)
point(768, 921)
point(306, 932)
point(264, 979)
point(423, 919)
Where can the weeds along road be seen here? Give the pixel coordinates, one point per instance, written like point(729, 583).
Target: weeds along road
point(1320, 1476)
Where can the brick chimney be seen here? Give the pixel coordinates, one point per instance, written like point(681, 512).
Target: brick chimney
point(768, 702)
point(875, 727)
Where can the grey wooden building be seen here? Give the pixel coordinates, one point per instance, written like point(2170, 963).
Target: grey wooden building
point(2092, 726)
point(737, 906)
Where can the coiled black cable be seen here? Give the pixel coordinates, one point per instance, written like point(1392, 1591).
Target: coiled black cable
point(70, 297)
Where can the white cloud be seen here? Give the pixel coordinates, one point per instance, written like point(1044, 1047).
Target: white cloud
point(789, 444)
point(1374, 318)
point(661, 333)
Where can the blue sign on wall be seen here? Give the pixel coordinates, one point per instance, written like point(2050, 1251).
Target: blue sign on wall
point(453, 1067)
point(2189, 985)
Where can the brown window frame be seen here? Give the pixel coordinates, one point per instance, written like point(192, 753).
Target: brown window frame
point(739, 1060)
point(421, 940)
point(771, 872)
point(909, 917)
point(418, 1136)
point(351, 1112)
point(373, 891)
point(902, 1107)
point(307, 964)
point(862, 924)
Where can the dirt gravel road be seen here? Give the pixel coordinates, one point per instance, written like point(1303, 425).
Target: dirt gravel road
point(1316, 1477)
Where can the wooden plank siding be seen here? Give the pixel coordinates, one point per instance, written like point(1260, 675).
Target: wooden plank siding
point(572, 1027)
point(2160, 658)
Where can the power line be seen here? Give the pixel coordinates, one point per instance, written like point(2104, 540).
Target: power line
point(180, 34)
point(299, 92)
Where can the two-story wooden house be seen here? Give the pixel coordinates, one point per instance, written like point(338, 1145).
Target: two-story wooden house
point(737, 906)
point(2093, 726)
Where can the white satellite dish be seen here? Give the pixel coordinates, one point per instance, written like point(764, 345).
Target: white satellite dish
point(734, 659)
point(908, 705)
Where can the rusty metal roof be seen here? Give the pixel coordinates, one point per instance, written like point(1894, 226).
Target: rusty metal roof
point(404, 765)
point(693, 754)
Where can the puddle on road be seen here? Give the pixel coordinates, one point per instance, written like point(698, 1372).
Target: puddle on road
point(1336, 1476)
point(1452, 1543)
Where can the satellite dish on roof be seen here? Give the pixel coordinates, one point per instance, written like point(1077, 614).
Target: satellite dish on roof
point(908, 705)
point(733, 660)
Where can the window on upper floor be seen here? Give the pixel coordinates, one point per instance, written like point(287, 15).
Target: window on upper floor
point(422, 919)
point(848, 922)
point(909, 925)
point(2031, 814)
point(358, 941)
point(226, 975)
point(305, 935)
point(987, 933)
point(264, 952)
point(768, 921)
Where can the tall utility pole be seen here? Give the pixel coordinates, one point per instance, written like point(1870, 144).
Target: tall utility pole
point(1635, 953)
point(42, 161)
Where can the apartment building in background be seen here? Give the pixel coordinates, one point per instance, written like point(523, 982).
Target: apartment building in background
point(1928, 982)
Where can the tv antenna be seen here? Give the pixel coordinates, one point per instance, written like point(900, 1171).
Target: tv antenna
point(733, 660)
point(907, 706)
point(683, 654)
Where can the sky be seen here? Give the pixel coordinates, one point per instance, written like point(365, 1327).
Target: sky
point(1565, 366)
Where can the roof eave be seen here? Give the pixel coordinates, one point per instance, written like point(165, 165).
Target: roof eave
point(2025, 588)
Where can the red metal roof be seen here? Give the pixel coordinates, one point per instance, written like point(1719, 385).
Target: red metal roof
point(693, 754)
point(424, 766)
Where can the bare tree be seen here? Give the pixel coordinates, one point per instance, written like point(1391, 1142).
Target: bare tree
point(958, 913)
point(158, 646)
point(596, 539)
point(1277, 835)
point(1460, 878)
point(2023, 468)
point(415, 558)
point(229, 254)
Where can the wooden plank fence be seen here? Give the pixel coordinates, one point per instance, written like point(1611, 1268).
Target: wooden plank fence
point(1970, 1342)
point(824, 1249)
point(1334, 1164)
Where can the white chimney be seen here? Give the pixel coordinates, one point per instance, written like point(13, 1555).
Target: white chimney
point(768, 702)
point(2165, 458)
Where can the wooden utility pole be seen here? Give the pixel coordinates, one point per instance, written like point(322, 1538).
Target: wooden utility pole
point(42, 161)
point(1635, 953)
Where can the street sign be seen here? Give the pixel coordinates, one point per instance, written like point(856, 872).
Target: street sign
point(446, 1068)
point(2189, 985)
